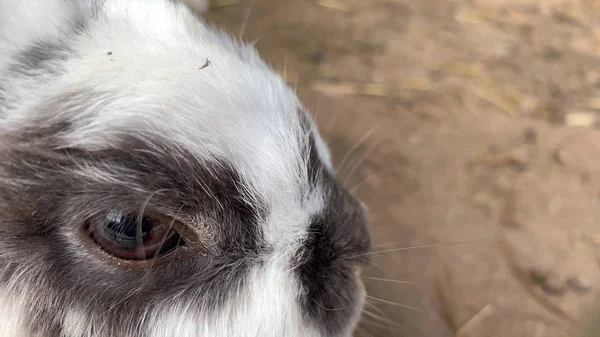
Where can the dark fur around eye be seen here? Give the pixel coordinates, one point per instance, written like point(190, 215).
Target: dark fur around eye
point(46, 197)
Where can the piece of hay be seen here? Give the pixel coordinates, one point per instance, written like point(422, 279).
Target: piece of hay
point(582, 119)
point(516, 156)
point(224, 3)
point(469, 329)
point(497, 99)
point(350, 88)
point(333, 4)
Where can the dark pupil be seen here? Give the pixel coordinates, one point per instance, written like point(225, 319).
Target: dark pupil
point(127, 230)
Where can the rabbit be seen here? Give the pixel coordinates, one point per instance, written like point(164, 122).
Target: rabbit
point(158, 179)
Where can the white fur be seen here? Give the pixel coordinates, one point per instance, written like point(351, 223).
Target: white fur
point(267, 309)
point(11, 316)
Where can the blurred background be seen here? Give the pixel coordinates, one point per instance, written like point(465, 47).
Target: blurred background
point(469, 129)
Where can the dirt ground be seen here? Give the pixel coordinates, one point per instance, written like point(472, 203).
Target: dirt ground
point(469, 129)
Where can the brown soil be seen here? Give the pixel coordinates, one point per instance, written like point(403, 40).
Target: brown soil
point(467, 126)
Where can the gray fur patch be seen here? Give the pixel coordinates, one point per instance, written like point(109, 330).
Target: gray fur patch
point(39, 59)
point(48, 193)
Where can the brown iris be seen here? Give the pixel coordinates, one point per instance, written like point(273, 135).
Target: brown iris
point(134, 237)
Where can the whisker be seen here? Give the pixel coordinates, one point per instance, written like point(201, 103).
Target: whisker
point(254, 42)
point(394, 303)
point(296, 80)
point(382, 316)
point(387, 280)
point(361, 160)
point(163, 240)
point(361, 331)
point(389, 244)
point(370, 316)
point(373, 322)
point(328, 309)
point(386, 323)
point(421, 247)
point(146, 202)
point(316, 111)
point(246, 18)
point(368, 178)
point(360, 141)
point(375, 264)
point(285, 68)
point(138, 227)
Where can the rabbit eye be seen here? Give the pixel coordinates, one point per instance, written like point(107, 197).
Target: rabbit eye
point(131, 237)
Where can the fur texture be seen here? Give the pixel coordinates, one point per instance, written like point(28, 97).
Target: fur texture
point(129, 105)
